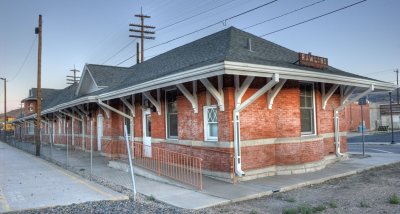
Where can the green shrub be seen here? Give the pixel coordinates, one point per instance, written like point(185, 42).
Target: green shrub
point(319, 208)
point(364, 204)
point(394, 199)
point(305, 209)
point(291, 199)
point(289, 211)
point(333, 204)
point(253, 212)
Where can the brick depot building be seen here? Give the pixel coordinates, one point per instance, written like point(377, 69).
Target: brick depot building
point(246, 106)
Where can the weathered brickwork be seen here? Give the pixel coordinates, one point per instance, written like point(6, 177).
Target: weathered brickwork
point(257, 124)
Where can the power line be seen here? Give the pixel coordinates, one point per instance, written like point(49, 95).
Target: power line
point(167, 26)
point(203, 28)
point(317, 17)
point(285, 14)
point(198, 14)
point(26, 58)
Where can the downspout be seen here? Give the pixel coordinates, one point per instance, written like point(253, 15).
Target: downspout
point(337, 133)
point(236, 143)
point(236, 120)
point(336, 117)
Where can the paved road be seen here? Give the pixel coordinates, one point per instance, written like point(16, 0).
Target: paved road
point(376, 137)
point(28, 182)
point(374, 148)
point(375, 143)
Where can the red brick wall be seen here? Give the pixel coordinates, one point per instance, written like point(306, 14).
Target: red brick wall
point(355, 116)
point(283, 120)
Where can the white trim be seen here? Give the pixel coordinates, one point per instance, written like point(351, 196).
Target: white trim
point(241, 90)
point(238, 68)
point(129, 105)
point(191, 97)
point(274, 92)
point(207, 136)
point(261, 91)
point(326, 96)
point(345, 93)
point(166, 115)
point(155, 102)
point(314, 125)
point(228, 67)
point(217, 94)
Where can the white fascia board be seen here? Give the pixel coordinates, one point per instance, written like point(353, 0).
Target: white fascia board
point(80, 101)
point(81, 80)
point(237, 68)
point(170, 80)
point(86, 71)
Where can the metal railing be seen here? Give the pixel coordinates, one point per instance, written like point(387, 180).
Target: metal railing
point(178, 166)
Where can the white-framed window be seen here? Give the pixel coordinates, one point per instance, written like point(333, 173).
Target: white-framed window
point(31, 127)
point(80, 127)
point(127, 121)
point(31, 107)
point(171, 114)
point(210, 123)
point(307, 108)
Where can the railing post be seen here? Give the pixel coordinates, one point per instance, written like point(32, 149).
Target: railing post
point(158, 162)
point(201, 178)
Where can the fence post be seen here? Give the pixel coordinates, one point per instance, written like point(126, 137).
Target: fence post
point(130, 162)
point(67, 145)
point(91, 147)
point(201, 178)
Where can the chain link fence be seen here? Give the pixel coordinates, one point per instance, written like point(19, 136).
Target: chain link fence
point(80, 157)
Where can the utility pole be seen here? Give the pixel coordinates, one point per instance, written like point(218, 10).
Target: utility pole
point(74, 79)
point(143, 30)
point(397, 89)
point(38, 31)
point(5, 109)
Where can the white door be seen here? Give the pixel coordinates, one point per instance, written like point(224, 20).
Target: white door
point(147, 133)
point(99, 131)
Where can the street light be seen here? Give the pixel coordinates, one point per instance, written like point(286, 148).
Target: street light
point(5, 107)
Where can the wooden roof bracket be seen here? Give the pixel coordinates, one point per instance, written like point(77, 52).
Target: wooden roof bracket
point(153, 101)
point(191, 97)
point(217, 94)
point(328, 95)
point(272, 93)
point(130, 106)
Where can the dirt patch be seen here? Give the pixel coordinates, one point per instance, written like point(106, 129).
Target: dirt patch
point(367, 192)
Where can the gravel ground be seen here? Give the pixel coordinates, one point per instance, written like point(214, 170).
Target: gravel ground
point(367, 192)
point(141, 205)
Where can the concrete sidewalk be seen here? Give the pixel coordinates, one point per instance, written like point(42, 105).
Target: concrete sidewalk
point(217, 192)
point(28, 182)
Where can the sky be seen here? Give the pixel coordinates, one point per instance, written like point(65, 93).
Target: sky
point(363, 39)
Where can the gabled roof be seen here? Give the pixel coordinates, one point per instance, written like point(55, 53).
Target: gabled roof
point(216, 51)
point(226, 45)
point(46, 94)
point(96, 77)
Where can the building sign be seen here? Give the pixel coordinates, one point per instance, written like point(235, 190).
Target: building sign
point(313, 61)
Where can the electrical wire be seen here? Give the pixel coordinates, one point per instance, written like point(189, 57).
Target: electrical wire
point(308, 20)
point(193, 16)
point(285, 14)
point(167, 26)
point(24, 62)
point(203, 28)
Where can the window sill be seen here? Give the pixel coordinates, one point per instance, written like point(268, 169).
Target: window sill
point(171, 140)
